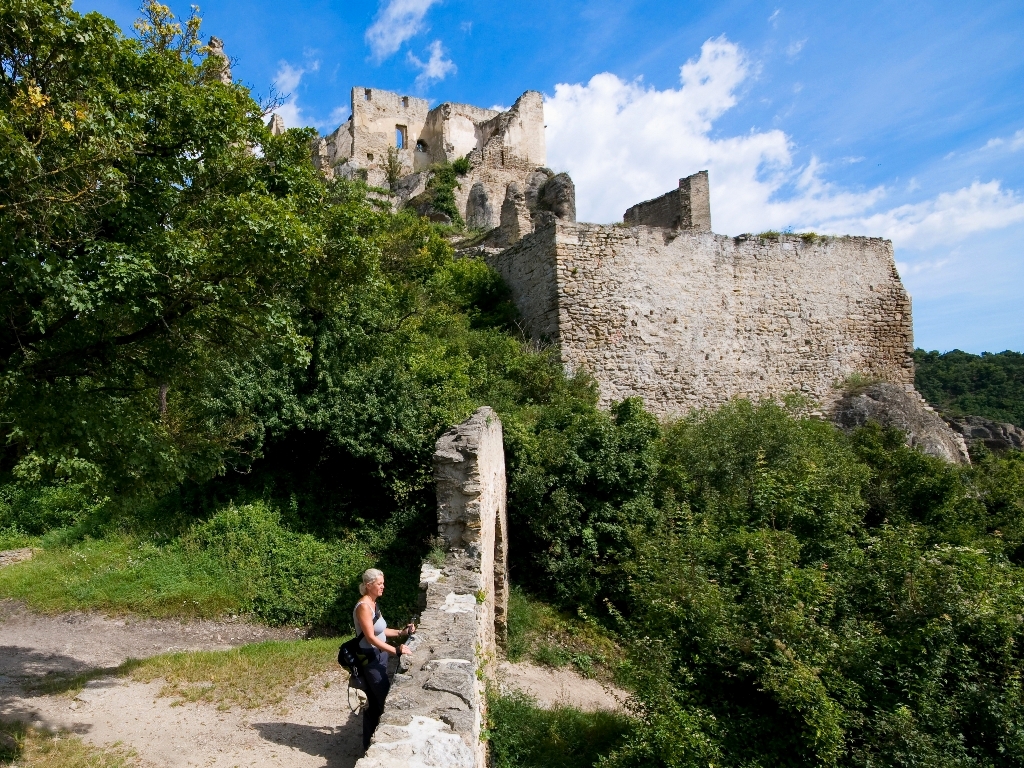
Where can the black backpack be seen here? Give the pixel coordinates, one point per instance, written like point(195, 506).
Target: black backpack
point(355, 658)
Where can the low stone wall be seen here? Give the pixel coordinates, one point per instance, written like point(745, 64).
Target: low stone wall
point(436, 709)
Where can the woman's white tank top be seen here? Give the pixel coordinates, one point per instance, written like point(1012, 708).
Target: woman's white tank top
point(379, 625)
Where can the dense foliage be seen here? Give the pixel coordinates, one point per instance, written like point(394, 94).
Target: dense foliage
point(194, 316)
point(793, 596)
point(221, 379)
point(959, 383)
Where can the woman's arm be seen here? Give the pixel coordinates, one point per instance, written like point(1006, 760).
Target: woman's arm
point(365, 618)
point(410, 629)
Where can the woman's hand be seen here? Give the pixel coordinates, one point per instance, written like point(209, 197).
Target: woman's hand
point(404, 650)
point(410, 629)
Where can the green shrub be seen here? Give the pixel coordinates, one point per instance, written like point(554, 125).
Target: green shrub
point(521, 735)
point(812, 599)
point(285, 577)
point(37, 511)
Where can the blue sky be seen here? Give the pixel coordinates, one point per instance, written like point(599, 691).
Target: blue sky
point(899, 120)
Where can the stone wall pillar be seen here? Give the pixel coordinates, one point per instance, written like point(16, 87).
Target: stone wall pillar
point(435, 712)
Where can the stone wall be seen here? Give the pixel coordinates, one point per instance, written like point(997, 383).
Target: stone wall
point(689, 319)
point(436, 708)
point(687, 207)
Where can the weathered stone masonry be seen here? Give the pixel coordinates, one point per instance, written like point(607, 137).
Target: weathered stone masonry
point(436, 708)
point(689, 319)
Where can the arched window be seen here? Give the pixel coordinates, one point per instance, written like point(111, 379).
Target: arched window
point(421, 146)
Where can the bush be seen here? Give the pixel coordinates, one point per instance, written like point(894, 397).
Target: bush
point(284, 577)
point(37, 511)
point(811, 599)
point(522, 735)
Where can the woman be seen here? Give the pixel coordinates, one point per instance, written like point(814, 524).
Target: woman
point(374, 632)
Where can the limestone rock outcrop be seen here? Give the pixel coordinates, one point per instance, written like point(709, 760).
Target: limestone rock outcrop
point(997, 436)
point(558, 195)
point(892, 405)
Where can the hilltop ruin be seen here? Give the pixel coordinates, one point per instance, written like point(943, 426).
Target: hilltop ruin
point(658, 306)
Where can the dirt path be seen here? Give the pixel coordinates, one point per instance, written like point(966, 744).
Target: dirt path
point(315, 730)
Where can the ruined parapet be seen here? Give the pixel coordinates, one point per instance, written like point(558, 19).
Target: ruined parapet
point(688, 207)
point(688, 320)
point(276, 125)
point(516, 222)
point(435, 711)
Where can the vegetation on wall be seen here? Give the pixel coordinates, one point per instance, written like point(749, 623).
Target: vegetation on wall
point(960, 384)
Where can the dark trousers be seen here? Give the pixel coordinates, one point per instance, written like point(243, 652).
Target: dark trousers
point(375, 675)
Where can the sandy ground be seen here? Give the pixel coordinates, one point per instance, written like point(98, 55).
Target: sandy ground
point(314, 729)
point(552, 687)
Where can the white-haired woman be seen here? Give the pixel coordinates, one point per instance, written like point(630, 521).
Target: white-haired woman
point(374, 634)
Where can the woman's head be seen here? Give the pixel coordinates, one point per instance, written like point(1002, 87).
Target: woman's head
point(371, 576)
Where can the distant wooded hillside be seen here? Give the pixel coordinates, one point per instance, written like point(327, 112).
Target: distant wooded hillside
point(960, 384)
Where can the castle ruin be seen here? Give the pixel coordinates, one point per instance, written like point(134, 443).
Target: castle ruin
point(658, 306)
point(502, 147)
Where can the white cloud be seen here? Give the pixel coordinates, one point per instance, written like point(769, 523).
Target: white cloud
point(1014, 143)
point(774, 18)
point(948, 217)
point(288, 77)
point(286, 82)
point(795, 47)
point(907, 269)
point(396, 22)
point(437, 67)
point(623, 142)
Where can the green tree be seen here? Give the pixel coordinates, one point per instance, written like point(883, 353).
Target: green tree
point(154, 234)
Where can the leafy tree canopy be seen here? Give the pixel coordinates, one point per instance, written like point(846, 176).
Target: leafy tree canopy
point(960, 384)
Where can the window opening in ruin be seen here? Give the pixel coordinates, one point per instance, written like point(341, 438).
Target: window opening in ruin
point(421, 146)
point(369, 155)
point(366, 94)
point(405, 101)
point(400, 136)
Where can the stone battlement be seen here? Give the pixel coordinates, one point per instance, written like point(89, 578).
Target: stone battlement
point(688, 319)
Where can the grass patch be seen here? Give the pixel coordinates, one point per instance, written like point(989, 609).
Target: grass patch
point(252, 676)
point(856, 383)
point(122, 574)
point(31, 748)
point(538, 632)
point(522, 735)
point(242, 560)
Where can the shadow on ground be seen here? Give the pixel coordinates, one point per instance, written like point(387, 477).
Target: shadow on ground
point(340, 746)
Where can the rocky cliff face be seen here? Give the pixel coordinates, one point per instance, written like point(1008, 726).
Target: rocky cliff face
point(997, 436)
point(891, 405)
